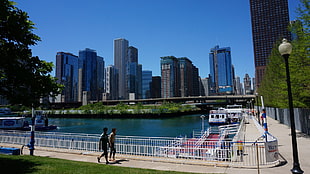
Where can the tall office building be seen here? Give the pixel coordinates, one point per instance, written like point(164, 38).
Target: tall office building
point(67, 75)
point(270, 20)
point(120, 63)
point(170, 83)
point(88, 65)
point(221, 73)
point(146, 84)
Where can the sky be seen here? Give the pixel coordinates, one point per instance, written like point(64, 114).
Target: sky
point(157, 28)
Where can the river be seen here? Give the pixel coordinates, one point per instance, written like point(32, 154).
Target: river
point(159, 127)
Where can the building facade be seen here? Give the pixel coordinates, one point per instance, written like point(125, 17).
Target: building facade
point(221, 73)
point(67, 75)
point(270, 20)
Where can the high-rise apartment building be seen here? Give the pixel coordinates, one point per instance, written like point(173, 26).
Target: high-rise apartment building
point(67, 75)
point(179, 77)
point(170, 83)
point(120, 63)
point(186, 76)
point(270, 20)
point(221, 73)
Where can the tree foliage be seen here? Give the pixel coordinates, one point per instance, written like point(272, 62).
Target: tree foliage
point(273, 86)
point(24, 79)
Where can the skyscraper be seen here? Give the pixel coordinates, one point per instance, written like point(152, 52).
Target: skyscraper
point(270, 20)
point(221, 74)
point(67, 75)
point(120, 63)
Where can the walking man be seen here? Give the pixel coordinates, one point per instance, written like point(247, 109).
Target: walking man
point(112, 144)
point(103, 145)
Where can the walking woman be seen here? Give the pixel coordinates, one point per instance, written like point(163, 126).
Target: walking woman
point(112, 144)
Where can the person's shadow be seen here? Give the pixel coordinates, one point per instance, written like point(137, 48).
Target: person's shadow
point(117, 161)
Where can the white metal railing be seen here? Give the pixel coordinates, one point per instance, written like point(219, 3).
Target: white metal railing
point(230, 152)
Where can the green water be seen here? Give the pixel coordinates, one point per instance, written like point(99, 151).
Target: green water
point(167, 127)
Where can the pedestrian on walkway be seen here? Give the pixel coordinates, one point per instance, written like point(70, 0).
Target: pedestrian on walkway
point(103, 145)
point(112, 144)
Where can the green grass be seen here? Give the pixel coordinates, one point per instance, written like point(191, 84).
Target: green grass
point(25, 164)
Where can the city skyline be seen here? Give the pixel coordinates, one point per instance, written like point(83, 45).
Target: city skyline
point(157, 28)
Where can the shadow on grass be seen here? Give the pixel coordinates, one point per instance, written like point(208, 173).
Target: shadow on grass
point(17, 165)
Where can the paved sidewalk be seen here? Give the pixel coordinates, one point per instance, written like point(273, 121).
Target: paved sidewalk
point(278, 130)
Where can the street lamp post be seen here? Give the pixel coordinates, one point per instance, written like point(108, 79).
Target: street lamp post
point(285, 49)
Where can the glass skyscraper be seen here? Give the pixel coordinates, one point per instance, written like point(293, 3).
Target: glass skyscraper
point(67, 75)
point(146, 84)
point(221, 74)
point(270, 20)
point(88, 64)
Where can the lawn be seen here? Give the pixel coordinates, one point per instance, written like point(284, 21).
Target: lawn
point(25, 164)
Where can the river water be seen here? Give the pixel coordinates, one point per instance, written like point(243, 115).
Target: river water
point(159, 127)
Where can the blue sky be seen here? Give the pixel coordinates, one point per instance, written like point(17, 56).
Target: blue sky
point(181, 28)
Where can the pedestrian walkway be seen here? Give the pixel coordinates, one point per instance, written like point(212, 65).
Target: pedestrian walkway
point(280, 131)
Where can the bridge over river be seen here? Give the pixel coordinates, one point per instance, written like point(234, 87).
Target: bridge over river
point(200, 101)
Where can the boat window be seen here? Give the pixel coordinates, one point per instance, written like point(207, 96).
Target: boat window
point(217, 116)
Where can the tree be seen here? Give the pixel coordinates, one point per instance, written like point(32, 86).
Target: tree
point(300, 57)
point(273, 86)
point(24, 79)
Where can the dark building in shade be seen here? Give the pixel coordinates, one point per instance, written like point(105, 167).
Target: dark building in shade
point(270, 20)
point(156, 87)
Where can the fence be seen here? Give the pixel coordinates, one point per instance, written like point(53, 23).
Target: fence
point(223, 150)
point(302, 117)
